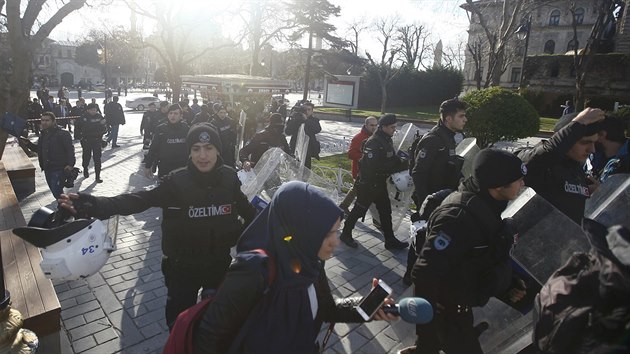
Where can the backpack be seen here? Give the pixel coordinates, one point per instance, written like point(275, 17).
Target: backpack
point(570, 314)
point(180, 340)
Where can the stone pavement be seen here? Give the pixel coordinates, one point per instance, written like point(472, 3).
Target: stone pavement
point(121, 309)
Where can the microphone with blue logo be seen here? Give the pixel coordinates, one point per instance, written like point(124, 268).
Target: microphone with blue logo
point(412, 310)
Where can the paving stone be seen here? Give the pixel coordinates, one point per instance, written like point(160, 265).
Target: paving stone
point(94, 315)
point(74, 322)
point(72, 293)
point(105, 336)
point(149, 317)
point(151, 330)
point(88, 329)
point(79, 309)
point(83, 344)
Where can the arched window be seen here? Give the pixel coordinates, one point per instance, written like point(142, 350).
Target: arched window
point(550, 46)
point(579, 16)
point(554, 18)
point(572, 45)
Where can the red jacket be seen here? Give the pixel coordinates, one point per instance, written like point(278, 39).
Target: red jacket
point(354, 153)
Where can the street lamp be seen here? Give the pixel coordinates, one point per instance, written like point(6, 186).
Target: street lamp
point(523, 32)
point(103, 51)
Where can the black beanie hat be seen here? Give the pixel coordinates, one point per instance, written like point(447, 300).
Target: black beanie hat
point(494, 168)
point(563, 121)
point(203, 133)
point(387, 119)
point(92, 105)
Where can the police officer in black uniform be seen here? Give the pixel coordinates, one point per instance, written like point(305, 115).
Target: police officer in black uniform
point(227, 132)
point(378, 162)
point(168, 148)
point(436, 165)
point(465, 259)
point(201, 204)
point(271, 136)
point(556, 165)
point(90, 129)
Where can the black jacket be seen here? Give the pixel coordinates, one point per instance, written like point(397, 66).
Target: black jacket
point(434, 167)
point(241, 291)
point(558, 179)
point(114, 113)
point(272, 136)
point(227, 133)
point(168, 148)
point(150, 122)
point(379, 160)
point(311, 128)
point(465, 258)
point(200, 212)
point(54, 149)
point(90, 127)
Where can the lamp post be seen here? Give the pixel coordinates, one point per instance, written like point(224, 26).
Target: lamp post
point(523, 32)
point(103, 51)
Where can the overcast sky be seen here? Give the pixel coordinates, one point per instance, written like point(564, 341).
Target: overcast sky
point(444, 19)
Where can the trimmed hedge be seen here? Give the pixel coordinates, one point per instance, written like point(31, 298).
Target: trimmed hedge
point(496, 114)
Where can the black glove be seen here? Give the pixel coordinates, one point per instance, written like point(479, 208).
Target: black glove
point(84, 206)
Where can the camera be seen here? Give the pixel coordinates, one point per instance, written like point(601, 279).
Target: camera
point(69, 177)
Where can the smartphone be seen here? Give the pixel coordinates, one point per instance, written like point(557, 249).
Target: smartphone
point(375, 299)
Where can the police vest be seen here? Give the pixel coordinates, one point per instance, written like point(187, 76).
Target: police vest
point(204, 220)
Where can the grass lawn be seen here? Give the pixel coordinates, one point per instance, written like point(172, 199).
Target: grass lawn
point(421, 112)
point(334, 161)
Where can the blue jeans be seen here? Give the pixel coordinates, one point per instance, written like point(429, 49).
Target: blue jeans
point(55, 182)
point(113, 134)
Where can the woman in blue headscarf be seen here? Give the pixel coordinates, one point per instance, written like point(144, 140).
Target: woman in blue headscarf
point(298, 230)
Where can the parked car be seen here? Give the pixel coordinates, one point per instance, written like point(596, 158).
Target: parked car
point(141, 103)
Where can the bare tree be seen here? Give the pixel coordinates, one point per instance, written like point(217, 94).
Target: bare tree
point(385, 29)
point(355, 28)
point(454, 55)
point(413, 44)
point(476, 50)
point(582, 58)
point(26, 28)
point(180, 38)
point(266, 23)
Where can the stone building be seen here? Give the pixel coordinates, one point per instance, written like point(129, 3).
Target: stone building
point(55, 64)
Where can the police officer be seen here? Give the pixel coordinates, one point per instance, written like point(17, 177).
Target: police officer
point(436, 166)
point(556, 165)
point(201, 204)
point(148, 125)
point(379, 160)
point(271, 136)
point(90, 129)
point(227, 132)
point(168, 148)
point(465, 259)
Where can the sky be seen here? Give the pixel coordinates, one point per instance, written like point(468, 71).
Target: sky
point(444, 19)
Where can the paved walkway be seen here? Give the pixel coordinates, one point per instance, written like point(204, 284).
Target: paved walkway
point(121, 309)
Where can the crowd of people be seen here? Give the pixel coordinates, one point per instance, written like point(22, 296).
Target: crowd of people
point(457, 262)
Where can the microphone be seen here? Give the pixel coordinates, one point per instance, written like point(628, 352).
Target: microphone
point(412, 310)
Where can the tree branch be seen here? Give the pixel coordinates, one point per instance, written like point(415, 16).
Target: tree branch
point(30, 14)
point(65, 10)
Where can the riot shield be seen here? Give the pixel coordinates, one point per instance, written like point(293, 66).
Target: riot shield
point(301, 145)
point(240, 134)
point(467, 149)
point(403, 138)
point(547, 237)
point(609, 204)
point(276, 167)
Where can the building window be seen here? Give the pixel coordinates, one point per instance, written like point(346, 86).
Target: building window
point(554, 18)
point(550, 46)
point(516, 75)
point(572, 45)
point(579, 16)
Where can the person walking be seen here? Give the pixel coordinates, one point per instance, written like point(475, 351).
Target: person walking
point(55, 152)
point(148, 125)
point(205, 200)
point(89, 129)
point(227, 131)
point(168, 150)
point(114, 116)
point(271, 136)
point(378, 162)
point(466, 257)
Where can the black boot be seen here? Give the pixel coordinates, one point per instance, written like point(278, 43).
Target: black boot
point(348, 240)
point(392, 243)
point(86, 174)
point(97, 172)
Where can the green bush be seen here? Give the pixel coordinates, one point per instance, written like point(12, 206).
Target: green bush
point(496, 114)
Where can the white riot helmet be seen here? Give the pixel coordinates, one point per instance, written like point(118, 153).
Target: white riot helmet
point(403, 181)
point(70, 249)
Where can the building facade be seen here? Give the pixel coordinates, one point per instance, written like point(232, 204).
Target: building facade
point(54, 64)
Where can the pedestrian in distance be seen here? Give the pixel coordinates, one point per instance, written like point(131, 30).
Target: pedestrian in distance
point(114, 116)
point(201, 205)
point(89, 129)
point(299, 231)
point(378, 162)
point(55, 152)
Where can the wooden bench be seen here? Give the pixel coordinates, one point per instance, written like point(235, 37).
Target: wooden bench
point(31, 293)
point(21, 171)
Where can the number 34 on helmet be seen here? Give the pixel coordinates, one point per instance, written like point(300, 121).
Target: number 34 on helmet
point(71, 249)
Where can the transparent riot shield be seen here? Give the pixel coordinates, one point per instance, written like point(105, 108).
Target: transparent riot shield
point(276, 167)
point(240, 134)
point(301, 145)
point(403, 138)
point(609, 204)
point(547, 237)
point(467, 149)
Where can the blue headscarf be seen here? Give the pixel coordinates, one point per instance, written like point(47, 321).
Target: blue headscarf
point(291, 229)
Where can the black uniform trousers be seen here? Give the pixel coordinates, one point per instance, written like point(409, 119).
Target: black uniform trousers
point(92, 148)
point(366, 195)
point(450, 331)
point(183, 281)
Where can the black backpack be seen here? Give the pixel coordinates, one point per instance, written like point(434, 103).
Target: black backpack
point(575, 311)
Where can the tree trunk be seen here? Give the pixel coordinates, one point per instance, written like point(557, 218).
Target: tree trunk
point(175, 81)
point(383, 92)
point(496, 72)
point(309, 54)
